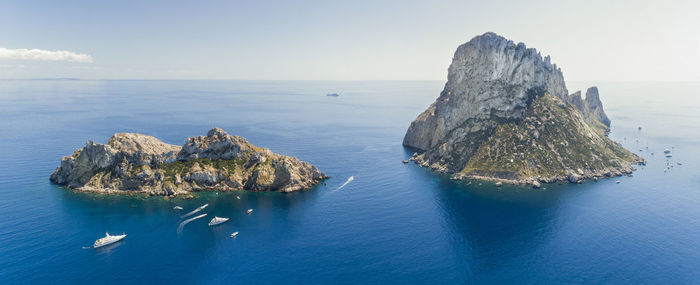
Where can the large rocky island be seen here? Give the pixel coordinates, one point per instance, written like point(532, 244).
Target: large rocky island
point(131, 162)
point(505, 115)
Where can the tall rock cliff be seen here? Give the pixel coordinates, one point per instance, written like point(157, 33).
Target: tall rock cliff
point(492, 81)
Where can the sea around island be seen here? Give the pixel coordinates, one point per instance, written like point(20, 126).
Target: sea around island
point(392, 223)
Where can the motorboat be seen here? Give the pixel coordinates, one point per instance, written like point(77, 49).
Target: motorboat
point(249, 211)
point(217, 220)
point(194, 211)
point(178, 208)
point(234, 234)
point(350, 179)
point(107, 240)
point(185, 222)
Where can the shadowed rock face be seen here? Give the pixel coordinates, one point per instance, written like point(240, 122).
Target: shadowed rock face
point(594, 107)
point(491, 80)
point(217, 161)
point(492, 83)
point(576, 100)
point(591, 108)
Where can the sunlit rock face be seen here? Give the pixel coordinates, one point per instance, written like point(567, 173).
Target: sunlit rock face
point(491, 82)
point(218, 161)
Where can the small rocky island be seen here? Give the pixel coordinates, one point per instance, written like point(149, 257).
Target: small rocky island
point(505, 115)
point(131, 162)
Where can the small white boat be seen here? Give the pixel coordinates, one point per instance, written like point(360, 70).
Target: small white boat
point(107, 240)
point(234, 234)
point(217, 220)
point(350, 179)
point(249, 211)
point(194, 211)
point(177, 208)
point(238, 197)
point(185, 222)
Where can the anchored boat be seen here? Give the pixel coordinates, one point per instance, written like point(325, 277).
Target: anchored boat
point(107, 240)
point(250, 211)
point(233, 235)
point(217, 220)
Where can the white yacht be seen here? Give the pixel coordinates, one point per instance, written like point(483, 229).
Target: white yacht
point(177, 208)
point(217, 220)
point(250, 211)
point(107, 240)
point(234, 234)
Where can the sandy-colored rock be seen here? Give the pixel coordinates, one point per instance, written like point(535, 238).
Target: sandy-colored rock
point(217, 161)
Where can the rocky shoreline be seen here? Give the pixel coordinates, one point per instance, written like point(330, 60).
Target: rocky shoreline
point(136, 163)
point(577, 177)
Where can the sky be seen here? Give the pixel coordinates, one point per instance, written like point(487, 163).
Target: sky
point(339, 40)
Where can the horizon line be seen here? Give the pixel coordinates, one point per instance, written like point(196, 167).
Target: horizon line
point(209, 79)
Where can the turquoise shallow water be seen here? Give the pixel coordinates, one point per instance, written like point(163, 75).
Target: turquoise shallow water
point(394, 223)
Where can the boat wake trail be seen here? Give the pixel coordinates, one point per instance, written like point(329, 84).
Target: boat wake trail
point(182, 225)
point(346, 183)
point(194, 211)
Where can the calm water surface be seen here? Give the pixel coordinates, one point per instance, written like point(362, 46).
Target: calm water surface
point(394, 223)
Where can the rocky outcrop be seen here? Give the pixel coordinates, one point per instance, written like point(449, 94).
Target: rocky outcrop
point(122, 149)
point(491, 89)
point(491, 80)
point(217, 144)
point(551, 143)
point(576, 100)
point(591, 108)
point(217, 161)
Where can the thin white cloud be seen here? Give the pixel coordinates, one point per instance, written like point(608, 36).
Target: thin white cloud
point(12, 66)
point(38, 54)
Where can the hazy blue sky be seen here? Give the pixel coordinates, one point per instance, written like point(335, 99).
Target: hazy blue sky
point(590, 40)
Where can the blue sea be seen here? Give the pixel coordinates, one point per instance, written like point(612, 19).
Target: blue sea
point(394, 224)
